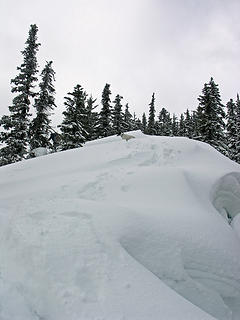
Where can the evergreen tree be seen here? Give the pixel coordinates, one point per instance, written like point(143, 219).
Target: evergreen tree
point(182, 128)
point(211, 117)
point(117, 116)
point(92, 119)
point(16, 125)
point(174, 126)
point(44, 103)
point(188, 123)
point(137, 124)
point(105, 125)
point(144, 123)
point(195, 124)
point(237, 156)
point(128, 122)
point(74, 124)
point(164, 123)
point(151, 119)
point(231, 133)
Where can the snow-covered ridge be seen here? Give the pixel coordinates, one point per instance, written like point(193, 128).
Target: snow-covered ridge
point(121, 230)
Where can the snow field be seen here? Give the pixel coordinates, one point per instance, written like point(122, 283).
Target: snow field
point(121, 230)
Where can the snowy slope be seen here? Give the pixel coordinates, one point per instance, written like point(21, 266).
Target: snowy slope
point(139, 230)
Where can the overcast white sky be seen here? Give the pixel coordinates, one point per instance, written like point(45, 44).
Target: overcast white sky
point(170, 47)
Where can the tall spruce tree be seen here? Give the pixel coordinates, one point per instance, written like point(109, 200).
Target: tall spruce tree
point(164, 123)
point(137, 124)
point(16, 125)
point(151, 119)
point(92, 118)
point(73, 128)
point(231, 132)
point(144, 123)
point(237, 157)
point(174, 126)
point(196, 123)
point(211, 117)
point(182, 128)
point(117, 116)
point(189, 126)
point(105, 125)
point(128, 122)
point(44, 103)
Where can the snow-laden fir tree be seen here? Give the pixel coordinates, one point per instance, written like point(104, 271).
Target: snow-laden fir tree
point(92, 119)
point(144, 123)
point(117, 116)
point(195, 125)
point(105, 126)
point(188, 123)
point(44, 103)
point(174, 129)
point(16, 125)
point(211, 117)
point(151, 118)
point(237, 104)
point(231, 130)
point(164, 123)
point(128, 122)
point(73, 128)
point(136, 122)
point(182, 128)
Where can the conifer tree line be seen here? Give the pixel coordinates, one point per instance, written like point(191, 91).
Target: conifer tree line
point(28, 124)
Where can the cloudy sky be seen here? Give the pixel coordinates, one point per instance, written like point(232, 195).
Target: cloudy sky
point(170, 47)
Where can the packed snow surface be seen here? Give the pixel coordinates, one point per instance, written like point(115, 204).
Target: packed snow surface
point(147, 229)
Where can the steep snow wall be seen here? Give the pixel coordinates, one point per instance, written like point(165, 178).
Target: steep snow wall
point(225, 195)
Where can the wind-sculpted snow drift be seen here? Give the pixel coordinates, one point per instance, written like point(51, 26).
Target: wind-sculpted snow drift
point(144, 229)
point(226, 195)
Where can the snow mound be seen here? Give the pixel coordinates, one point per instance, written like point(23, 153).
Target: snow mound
point(41, 151)
point(121, 230)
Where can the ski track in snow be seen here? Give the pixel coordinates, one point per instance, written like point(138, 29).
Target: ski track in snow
point(146, 206)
